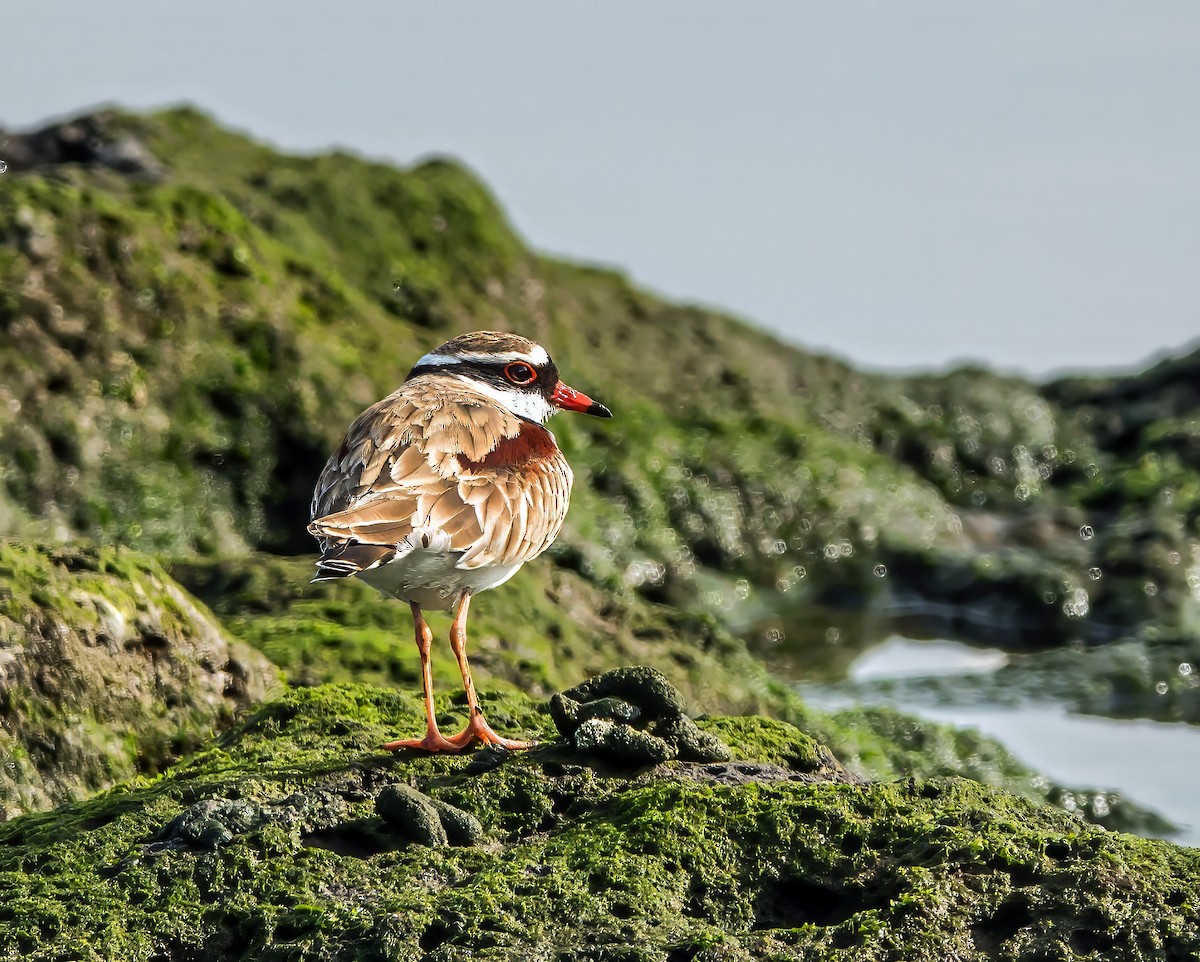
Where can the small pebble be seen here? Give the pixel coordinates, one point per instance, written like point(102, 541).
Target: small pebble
point(462, 828)
point(413, 813)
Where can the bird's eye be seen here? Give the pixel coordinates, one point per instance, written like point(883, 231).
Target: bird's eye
point(520, 373)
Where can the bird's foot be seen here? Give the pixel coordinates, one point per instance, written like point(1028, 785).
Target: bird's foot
point(478, 730)
point(433, 741)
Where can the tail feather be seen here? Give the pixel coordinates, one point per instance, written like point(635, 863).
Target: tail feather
point(346, 560)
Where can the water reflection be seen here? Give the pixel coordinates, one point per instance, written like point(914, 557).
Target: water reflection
point(899, 657)
point(1146, 761)
point(812, 643)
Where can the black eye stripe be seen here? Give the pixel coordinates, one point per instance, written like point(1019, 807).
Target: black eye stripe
point(493, 372)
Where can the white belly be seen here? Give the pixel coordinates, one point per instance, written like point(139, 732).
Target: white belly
point(432, 579)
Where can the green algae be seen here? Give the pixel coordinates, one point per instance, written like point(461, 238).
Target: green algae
point(569, 863)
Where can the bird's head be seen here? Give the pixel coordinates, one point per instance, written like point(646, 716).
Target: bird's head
point(513, 370)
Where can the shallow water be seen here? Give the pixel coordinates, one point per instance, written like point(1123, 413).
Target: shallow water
point(899, 657)
point(1153, 763)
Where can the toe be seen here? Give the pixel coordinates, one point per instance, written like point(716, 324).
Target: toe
point(430, 743)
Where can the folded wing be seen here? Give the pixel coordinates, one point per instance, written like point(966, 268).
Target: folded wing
point(414, 472)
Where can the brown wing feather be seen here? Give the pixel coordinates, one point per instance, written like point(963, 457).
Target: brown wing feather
point(521, 514)
point(436, 454)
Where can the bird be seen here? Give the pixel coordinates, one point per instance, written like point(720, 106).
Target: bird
point(444, 489)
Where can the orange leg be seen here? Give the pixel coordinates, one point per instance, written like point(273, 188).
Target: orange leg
point(433, 741)
point(477, 728)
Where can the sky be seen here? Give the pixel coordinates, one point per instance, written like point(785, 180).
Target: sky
point(902, 184)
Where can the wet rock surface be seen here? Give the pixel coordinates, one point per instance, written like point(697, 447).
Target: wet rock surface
point(427, 821)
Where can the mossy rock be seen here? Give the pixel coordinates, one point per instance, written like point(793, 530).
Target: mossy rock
point(548, 627)
point(538, 633)
point(108, 669)
point(267, 845)
point(189, 319)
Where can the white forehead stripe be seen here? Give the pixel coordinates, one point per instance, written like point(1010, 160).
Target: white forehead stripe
point(537, 357)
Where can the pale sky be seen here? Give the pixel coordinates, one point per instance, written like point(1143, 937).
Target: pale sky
point(904, 184)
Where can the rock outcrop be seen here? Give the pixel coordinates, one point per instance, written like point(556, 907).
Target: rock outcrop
point(108, 670)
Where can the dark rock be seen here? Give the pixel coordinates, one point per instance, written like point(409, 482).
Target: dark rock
point(610, 709)
point(210, 824)
point(88, 140)
point(413, 813)
point(565, 712)
point(462, 828)
point(691, 744)
point(648, 688)
point(487, 759)
point(634, 716)
point(601, 737)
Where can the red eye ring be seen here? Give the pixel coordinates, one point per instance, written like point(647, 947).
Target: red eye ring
point(520, 373)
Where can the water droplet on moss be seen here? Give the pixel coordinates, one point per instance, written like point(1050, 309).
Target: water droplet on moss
point(881, 571)
point(1161, 688)
point(1087, 532)
point(1095, 574)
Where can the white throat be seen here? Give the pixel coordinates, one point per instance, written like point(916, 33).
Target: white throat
point(524, 404)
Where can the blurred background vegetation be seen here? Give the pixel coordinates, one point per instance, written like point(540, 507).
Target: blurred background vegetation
point(190, 319)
